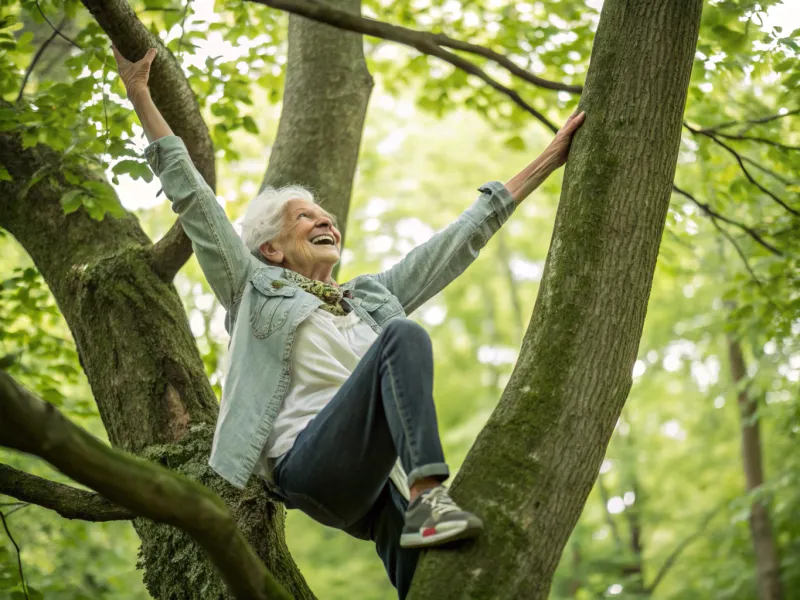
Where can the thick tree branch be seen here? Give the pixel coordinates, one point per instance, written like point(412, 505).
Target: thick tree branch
point(176, 101)
point(739, 160)
point(712, 213)
point(420, 40)
point(424, 42)
point(31, 425)
point(67, 501)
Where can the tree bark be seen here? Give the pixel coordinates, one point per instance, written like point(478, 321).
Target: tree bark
point(532, 467)
point(142, 363)
point(324, 106)
point(764, 547)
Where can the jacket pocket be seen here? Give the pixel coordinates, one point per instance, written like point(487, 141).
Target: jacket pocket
point(271, 304)
point(382, 306)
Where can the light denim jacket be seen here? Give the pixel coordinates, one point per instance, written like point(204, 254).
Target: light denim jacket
point(263, 311)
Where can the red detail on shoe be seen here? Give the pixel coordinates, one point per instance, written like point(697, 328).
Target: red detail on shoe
point(428, 531)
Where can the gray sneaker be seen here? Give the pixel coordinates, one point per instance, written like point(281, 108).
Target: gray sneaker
point(433, 519)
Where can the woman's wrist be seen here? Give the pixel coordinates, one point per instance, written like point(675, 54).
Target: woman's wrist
point(138, 93)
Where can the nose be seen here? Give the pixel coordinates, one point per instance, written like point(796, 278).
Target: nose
point(324, 222)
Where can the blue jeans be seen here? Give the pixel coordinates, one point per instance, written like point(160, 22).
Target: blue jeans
point(337, 471)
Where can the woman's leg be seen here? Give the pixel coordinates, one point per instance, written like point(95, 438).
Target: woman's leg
point(341, 461)
point(383, 525)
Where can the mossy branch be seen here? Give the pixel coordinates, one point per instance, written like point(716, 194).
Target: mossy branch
point(67, 501)
point(148, 490)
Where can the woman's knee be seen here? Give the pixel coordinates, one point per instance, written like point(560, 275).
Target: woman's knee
point(407, 330)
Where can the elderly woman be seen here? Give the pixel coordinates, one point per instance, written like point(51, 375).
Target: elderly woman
point(329, 393)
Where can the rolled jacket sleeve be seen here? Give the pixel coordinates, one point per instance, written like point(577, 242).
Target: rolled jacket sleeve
point(431, 266)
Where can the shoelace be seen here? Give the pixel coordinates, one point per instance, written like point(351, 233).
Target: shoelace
point(440, 502)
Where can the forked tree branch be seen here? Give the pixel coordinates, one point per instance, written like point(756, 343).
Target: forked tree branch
point(148, 490)
point(712, 213)
point(67, 501)
point(747, 173)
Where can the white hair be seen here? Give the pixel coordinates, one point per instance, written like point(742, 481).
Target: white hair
point(263, 219)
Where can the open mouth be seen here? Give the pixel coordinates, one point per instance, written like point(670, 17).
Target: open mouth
point(326, 239)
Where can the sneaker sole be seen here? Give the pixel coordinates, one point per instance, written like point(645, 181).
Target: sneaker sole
point(460, 530)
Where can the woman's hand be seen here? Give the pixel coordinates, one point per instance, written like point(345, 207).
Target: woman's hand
point(559, 147)
point(554, 157)
point(134, 75)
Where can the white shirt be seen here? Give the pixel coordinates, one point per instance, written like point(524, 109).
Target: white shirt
point(326, 351)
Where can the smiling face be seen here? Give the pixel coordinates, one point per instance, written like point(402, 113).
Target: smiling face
point(308, 244)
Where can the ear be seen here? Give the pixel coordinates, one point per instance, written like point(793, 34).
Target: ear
point(272, 254)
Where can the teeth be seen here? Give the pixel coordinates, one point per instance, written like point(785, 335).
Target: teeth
point(324, 236)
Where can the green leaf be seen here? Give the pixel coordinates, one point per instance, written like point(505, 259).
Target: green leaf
point(71, 177)
point(25, 39)
point(71, 201)
point(250, 124)
point(515, 142)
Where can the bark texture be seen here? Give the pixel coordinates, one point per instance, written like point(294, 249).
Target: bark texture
point(768, 564)
point(137, 350)
point(533, 465)
point(324, 106)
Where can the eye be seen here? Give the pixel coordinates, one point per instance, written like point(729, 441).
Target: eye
point(302, 215)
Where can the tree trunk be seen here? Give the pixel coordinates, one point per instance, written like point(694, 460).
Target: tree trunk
point(130, 327)
point(142, 363)
point(764, 547)
point(533, 465)
point(324, 106)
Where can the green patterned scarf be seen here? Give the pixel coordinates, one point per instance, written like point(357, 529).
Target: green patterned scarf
point(330, 293)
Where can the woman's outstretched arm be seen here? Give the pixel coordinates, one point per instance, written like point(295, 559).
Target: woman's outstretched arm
point(225, 260)
point(430, 267)
point(135, 76)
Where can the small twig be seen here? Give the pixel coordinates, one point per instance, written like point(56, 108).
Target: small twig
point(765, 170)
point(183, 21)
point(752, 139)
point(739, 160)
point(19, 556)
point(758, 121)
point(36, 58)
point(712, 213)
point(54, 28)
point(681, 547)
point(746, 262)
point(105, 108)
point(164, 9)
point(20, 506)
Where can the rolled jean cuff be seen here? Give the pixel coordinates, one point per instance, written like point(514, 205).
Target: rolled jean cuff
point(438, 470)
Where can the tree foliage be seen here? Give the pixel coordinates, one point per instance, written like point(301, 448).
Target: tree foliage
point(670, 495)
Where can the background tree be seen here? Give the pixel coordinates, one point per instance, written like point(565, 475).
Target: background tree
point(71, 109)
